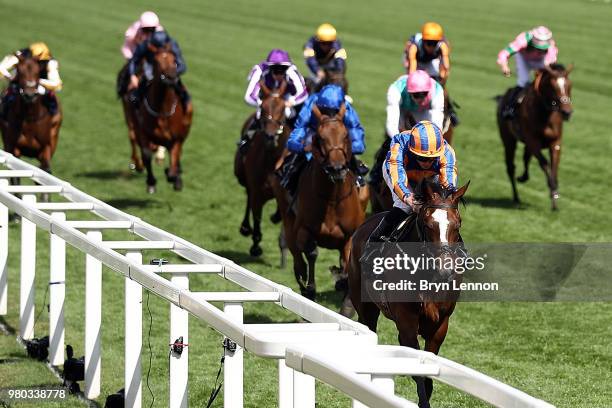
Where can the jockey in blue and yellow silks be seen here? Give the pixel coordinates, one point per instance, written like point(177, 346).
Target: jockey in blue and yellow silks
point(419, 153)
point(329, 100)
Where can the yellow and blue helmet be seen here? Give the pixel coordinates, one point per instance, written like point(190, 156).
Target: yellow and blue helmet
point(426, 140)
point(40, 51)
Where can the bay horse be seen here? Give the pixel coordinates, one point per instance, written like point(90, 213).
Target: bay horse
point(328, 207)
point(255, 169)
point(162, 118)
point(437, 221)
point(30, 129)
point(332, 76)
point(539, 124)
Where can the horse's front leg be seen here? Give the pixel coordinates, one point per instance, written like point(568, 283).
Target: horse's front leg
point(307, 245)
point(555, 158)
point(173, 173)
point(147, 156)
point(256, 204)
point(407, 324)
point(432, 344)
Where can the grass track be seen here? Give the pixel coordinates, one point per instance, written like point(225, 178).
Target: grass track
point(559, 352)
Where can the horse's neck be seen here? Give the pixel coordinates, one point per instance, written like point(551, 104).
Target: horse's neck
point(34, 111)
point(161, 96)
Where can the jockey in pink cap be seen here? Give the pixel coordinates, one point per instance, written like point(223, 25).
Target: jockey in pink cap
point(532, 50)
point(139, 31)
point(410, 99)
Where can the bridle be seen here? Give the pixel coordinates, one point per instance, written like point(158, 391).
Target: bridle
point(167, 81)
point(554, 103)
point(331, 173)
point(268, 118)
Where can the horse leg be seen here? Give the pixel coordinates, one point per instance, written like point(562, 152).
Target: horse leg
point(136, 160)
point(342, 283)
point(526, 160)
point(555, 158)
point(245, 226)
point(509, 150)
point(45, 165)
point(310, 291)
point(407, 325)
point(257, 207)
point(432, 344)
point(173, 174)
point(147, 156)
point(282, 246)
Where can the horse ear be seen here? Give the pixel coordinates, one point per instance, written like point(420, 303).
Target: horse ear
point(152, 48)
point(341, 112)
point(537, 80)
point(569, 69)
point(552, 72)
point(264, 89)
point(461, 191)
point(316, 112)
point(282, 88)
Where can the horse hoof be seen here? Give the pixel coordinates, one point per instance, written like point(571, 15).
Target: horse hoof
point(276, 217)
point(151, 189)
point(523, 178)
point(245, 230)
point(341, 285)
point(256, 251)
point(178, 185)
point(347, 309)
point(309, 292)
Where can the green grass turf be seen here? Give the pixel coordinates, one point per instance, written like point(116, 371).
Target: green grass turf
point(558, 352)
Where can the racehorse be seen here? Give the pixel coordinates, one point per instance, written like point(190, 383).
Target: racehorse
point(163, 120)
point(255, 169)
point(30, 129)
point(438, 222)
point(539, 124)
point(327, 208)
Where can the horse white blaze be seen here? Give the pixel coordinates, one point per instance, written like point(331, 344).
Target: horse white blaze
point(441, 217)
point(561, 84)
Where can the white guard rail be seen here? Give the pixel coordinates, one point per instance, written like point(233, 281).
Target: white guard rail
point(305, 351)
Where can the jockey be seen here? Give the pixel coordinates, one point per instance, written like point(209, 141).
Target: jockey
point(428, 51)
point(329, 100)
point(277, 67)
point(144, 53)
point(139, 31)
point(410, 99)
point(532, 50)
point(49, 83)
point(324, 51)
point(416, 154)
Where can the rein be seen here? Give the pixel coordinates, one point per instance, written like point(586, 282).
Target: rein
point(156, 114)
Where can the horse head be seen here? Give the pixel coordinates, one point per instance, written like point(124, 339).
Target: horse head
point(272, 115)
point(164, 65)
point(331, 145)
point(438, 219)
point(555, 87)
point(28, 75)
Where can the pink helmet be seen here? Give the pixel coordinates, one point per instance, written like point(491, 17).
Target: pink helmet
point(541, 37)
point(418, 81)
point(149, 19)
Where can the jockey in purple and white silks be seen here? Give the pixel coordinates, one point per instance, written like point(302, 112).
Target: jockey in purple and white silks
point(276, 68)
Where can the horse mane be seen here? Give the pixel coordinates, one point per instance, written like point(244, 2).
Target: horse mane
point(557, 67)
point(434, 186)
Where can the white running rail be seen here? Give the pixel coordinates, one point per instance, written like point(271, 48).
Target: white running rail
point(361, 369)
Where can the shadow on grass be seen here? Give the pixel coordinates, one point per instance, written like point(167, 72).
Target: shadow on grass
point(241, 258)
point(331, 299)
point(107, 174)
point(496, 203)
point(6, 327)
point(124, 203)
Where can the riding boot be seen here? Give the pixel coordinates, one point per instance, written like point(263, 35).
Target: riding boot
point(182, 93)
point(452, 113)
point(384, 228)
point(509, 111)
point(247, 136)
point(360, 169)
point(7, 101)
point(50, 102)
point(290, 172)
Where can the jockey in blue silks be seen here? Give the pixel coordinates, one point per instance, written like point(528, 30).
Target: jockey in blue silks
point(329, 100)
